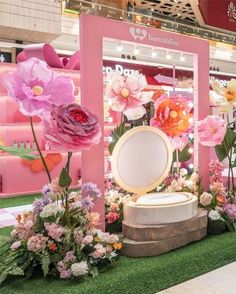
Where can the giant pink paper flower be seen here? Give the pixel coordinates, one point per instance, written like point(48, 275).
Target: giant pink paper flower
point(211, 130)
point(126, 94)
point(36, 87)
point(71, 128)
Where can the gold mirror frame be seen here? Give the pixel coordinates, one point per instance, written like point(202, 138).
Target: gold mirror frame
point(115, 157)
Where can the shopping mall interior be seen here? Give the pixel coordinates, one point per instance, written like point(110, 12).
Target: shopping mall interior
point(117, 146)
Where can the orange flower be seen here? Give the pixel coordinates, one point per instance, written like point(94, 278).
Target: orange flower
point(172, 115)
point(52, 246)
point(117, 246)
point(221, 200)
point(18, 218)
point(230, 95)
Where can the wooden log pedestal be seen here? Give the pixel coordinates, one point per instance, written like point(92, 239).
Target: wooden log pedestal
point(152, 240)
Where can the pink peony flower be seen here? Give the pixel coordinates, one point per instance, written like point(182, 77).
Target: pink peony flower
point(66, 274)
point(54, 231)
point(71, 128)
point(61, 266)
point(36, 87)
point(211, 130)
point(100, 250)
point(70, 256)
point(112, 217)
point(37, 243)
point(126, 94)
point(114, 206)
point(87, 240)
point(205, 199)
point(15, 245)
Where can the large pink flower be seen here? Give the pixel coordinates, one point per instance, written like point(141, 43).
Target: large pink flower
point(211, 130)
point(71, 128)
point(36, 87)
point(126, 94)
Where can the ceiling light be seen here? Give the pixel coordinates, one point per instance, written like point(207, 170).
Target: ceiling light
point(154, 53)
point(136, 51)
point(223, 54)
point(119, 48)
point(168, 56)
point(182, 58)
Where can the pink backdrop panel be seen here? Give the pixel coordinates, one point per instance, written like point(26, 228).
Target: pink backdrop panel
point(93, 30)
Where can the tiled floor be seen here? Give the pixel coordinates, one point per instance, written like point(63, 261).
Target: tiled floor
point(220, 281)
point(8, 215)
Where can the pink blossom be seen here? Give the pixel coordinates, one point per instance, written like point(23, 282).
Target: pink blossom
point(61, 266)
point(15, 245)
point(215, 169)
point(70, 256)
point(112, 238)
point(71, 128)
point(87, 240)
point(114, 206)
point(205, 199)
point(109, 248)
point(100, 250)
point(217, 187)
point(54, 231)
point(126, 94)
point(36, 87)
point(230, 210)
point(37, 243)
point(28, 224)
point(93, 219)
point(66, 274)
point(211, 130)
point(112, 217)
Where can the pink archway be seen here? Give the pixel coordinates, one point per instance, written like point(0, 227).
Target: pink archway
point(93, 30)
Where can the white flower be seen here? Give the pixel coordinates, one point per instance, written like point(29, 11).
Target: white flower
point(51, 210)
point(194, 177)
point(231, 85)
point(15, 245)
point(79, 268)
point(112, 239)
point(205, 199)
point(214, 215)
point(183, 172)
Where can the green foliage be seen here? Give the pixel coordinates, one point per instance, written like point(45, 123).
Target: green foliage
point(184, 155)
point(222, 150)
point(45, 262)
point(116, 134)
point(64, 179)
point(21, 152)
point(94, 271)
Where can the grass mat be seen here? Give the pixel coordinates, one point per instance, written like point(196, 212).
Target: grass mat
point(18, 201)
point(139, 275)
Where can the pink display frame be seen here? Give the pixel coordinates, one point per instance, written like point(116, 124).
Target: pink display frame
point(93, 30)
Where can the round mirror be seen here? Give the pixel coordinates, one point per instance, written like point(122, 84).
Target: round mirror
point(141, 159)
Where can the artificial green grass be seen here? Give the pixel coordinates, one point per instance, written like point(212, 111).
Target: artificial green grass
point(139, 275)
point(18, 201)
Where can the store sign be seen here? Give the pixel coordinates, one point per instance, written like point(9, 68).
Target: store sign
point(140, 34)
point(220, 14)
point(231, 12)
point(166, 80)
point(118, 67)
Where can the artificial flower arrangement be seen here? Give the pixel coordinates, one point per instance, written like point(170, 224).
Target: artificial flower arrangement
point(115, 198)
point(213, 131)
point(60, 233)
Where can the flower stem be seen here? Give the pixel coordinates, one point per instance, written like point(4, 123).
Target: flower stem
point(38, 148)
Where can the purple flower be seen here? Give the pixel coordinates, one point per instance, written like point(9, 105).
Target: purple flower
point(230, 210)
point(71, 128)
point(39, 204)
point(90, 189)
point(36, 87)
point(87, 203)
point(46, 190)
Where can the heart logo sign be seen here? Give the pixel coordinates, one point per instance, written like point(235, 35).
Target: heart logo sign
point(137, 33)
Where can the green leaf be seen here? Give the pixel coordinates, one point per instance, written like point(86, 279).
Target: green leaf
point(222, 150)
point(116, 134)
point(94, 271)
point(64, 179)
point(21, 152)
point(184, 155)
point(45, 261)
